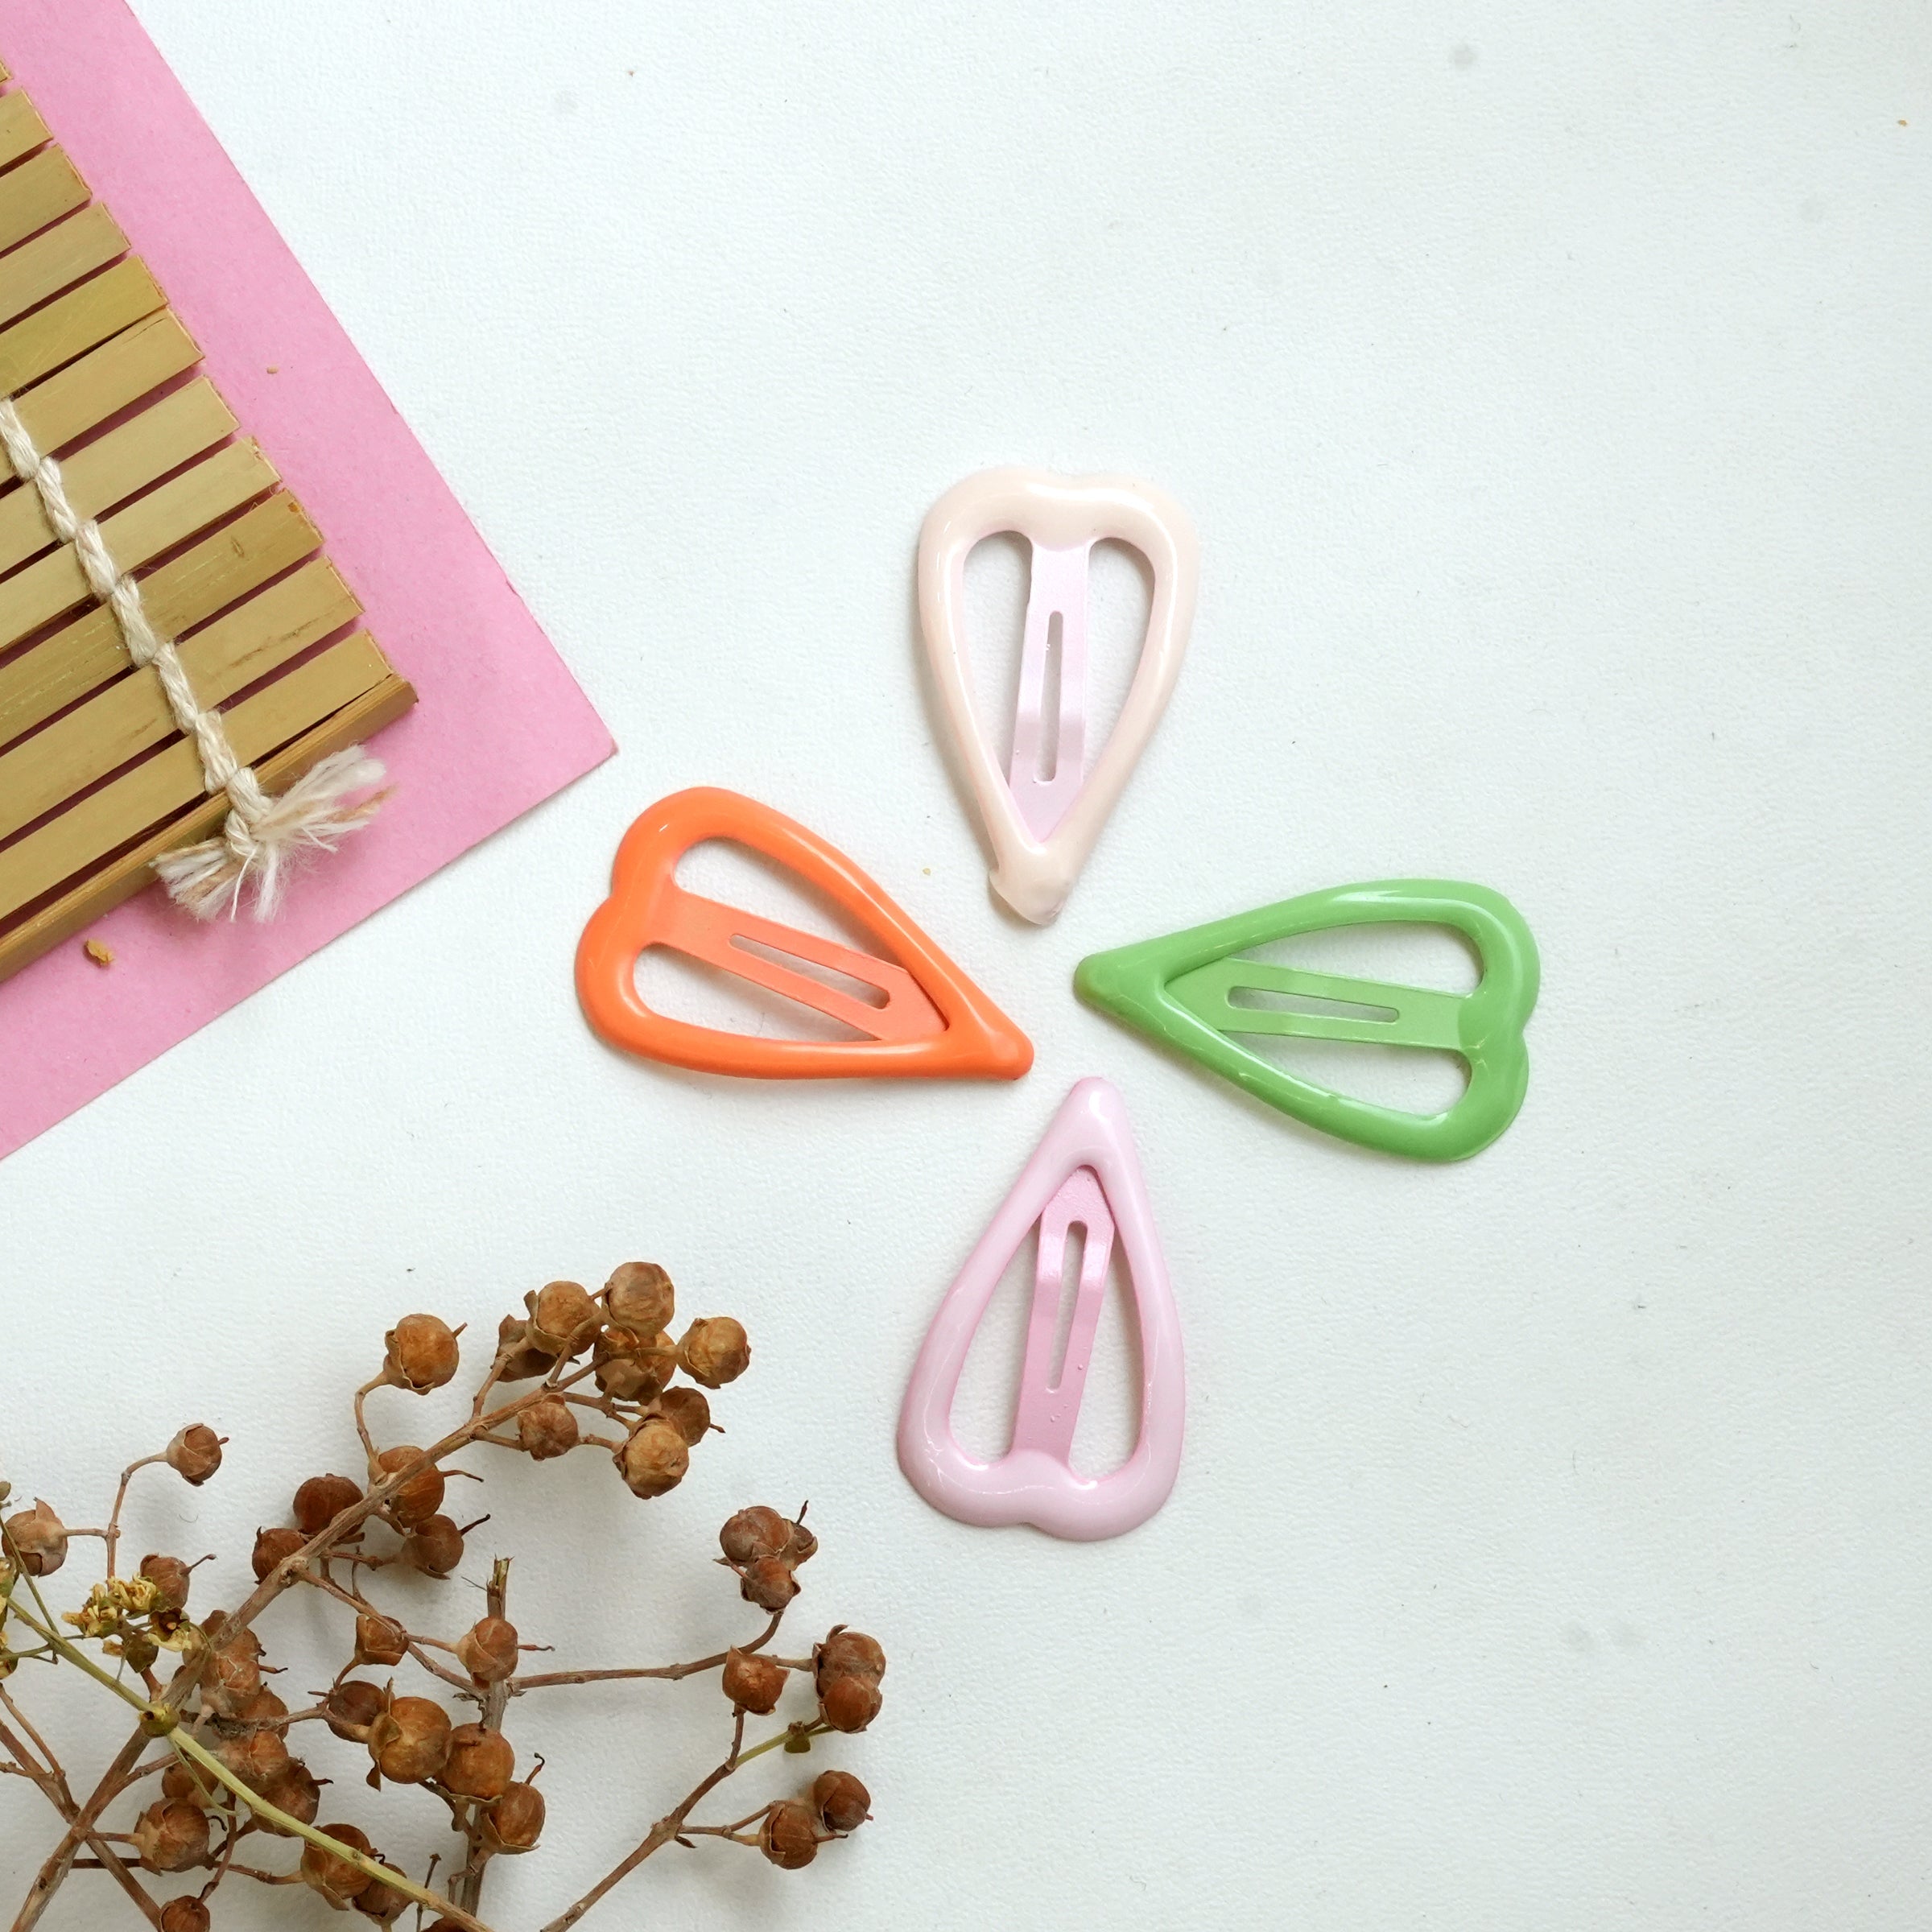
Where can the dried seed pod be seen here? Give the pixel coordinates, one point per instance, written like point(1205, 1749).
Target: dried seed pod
point(849, 1653)
point(185, 1914)
point(421, 1496)
point(634, 1364)
point(380, 1639)
point(232, 1675)
point(563, 1319)
point(715, 1350)
point(39, 1537)
point(171, 1838)
point(170, 1578)
point(481, 1764)
point(409, 1742)
point(194, 1454)
point(752, 1534)
point(257, 1757)
point(294, 1789)
point(434, 1547)
point(639, 1295)
point(849, 1703)
point(515, 1822)
point(520, 1361)
point(753, 1683)
point(654, 1459)
point(789, 1836)
point(487, 1650)
point(273, 1548)
point(381, 1902)
point(180, 1784)
point(802, 1547)
point(547, 1429)
point(242, 1643)
point(321, 1500)
point(338, 1881)
point(264, 1708)
point(842, 1803)
point(421, 1353)
point(769, 1582)
point(687, 1412)
point(352, 1707)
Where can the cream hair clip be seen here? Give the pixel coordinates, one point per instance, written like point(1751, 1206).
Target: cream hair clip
point(1045, 813)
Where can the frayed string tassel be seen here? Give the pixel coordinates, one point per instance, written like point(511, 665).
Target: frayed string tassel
point(258, 847)
point(263, 838)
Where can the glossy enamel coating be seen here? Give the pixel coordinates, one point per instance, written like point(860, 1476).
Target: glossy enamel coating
point(934, 1022)
point(1044, 813)
point(1084, 1174)
point(1177, 990)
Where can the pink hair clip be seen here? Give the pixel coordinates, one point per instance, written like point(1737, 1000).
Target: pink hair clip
point(1084, 1174)
point(1043, 823)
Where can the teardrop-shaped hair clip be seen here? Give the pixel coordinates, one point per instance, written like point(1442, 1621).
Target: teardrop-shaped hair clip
point(931, 1022)
point(1181, 990)
point(1043, 815)
point(1084, 1174)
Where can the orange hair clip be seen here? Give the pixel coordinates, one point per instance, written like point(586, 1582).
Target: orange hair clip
point(934, 1022)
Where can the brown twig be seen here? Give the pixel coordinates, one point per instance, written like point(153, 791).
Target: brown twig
point(660, 1834)
point(130, 1619)
point(671, 1672)
point(112, 1533)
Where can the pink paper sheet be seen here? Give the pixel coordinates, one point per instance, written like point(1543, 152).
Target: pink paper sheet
point(500, 725)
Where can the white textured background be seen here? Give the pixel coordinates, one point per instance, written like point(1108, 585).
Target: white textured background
point(1550, 387)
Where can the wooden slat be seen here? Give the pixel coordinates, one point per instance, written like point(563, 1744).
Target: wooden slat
point(81, 320)
point(36, 192)
point(170, 515)
point(58, 259)
point(21, 129)
point(88, 899)
point(124, 720)
point(141, 451)
point(107, 380)
point(186, 591)
point(170, 780)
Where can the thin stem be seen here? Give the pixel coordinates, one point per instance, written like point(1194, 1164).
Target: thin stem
point(113, 1532)
point(660, 1834)
point(48, 1880)
point(192, 1749)
point(785, 1737)
point(467, 1889)
point(362, 1395)
point(52, 1785)
point(34, 1737)
point(550, 1679)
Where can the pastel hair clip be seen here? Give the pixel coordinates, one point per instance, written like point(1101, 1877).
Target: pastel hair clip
point(1084, 1174)
point(1044, 813)
point(1183, 989)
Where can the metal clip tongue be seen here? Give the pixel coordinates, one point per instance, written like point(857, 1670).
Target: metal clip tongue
point(1084, 1174)
point(1045, 813)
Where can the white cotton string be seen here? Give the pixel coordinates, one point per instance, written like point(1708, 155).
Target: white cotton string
point(260, 834)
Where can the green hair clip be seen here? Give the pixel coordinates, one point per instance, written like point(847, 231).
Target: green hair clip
point(1178, 990)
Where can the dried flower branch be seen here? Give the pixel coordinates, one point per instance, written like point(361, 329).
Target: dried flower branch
point(217, 1737)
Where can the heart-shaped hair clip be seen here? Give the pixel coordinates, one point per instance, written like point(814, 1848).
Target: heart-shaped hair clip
point(1044, 813)
point(1084, 1175)
point(931, 1019)
point(1179, 990)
